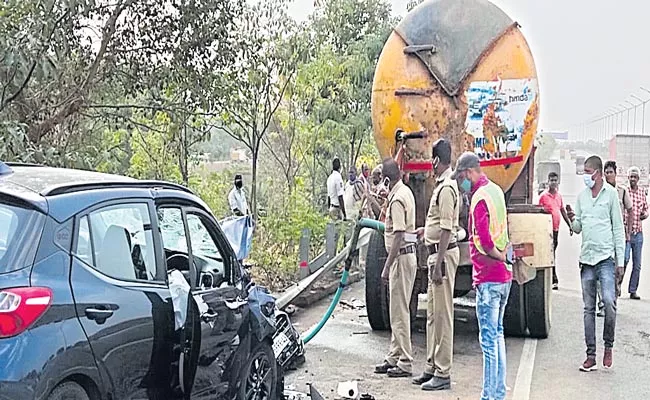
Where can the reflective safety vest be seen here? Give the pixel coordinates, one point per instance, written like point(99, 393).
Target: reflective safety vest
point(496, 205)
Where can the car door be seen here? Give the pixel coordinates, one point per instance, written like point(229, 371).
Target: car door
point(218, 308)
point(122, 299)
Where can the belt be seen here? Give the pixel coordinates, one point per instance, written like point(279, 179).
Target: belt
point(335, 205)
point(408, 249)
point(434, 248)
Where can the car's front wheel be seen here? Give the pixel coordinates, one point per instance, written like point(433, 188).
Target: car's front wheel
point(68, 391)
point(260, 375)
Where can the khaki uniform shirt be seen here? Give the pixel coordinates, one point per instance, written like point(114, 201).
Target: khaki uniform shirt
point(400, 213)
point(444, 210)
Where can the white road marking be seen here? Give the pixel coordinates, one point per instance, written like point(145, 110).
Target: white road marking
point(525, 371)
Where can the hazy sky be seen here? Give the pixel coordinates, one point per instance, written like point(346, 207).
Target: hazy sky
point(590, 55)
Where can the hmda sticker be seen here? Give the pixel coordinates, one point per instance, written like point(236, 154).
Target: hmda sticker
point(496, 116)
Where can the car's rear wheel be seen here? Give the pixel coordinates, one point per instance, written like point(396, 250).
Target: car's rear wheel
point(68, 391)
point(260, 375)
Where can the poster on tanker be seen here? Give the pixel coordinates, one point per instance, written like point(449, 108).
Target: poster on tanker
point(496, 114)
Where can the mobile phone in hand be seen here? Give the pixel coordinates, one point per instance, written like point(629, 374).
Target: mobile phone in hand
point(510, 255)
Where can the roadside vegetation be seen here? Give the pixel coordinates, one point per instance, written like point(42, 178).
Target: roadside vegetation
point(156, 89)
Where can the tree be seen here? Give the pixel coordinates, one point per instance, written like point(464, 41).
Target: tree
point(67, 65)
point(335, 85)
point(252, 90)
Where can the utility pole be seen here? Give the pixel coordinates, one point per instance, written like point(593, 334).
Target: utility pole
point(643, 123)
point(628, 114)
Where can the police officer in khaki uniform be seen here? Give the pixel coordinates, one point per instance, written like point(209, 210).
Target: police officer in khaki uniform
point(399, 271)
point(440, 237)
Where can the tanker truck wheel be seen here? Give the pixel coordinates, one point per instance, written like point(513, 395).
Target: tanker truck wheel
point(538, 304)
point(376, 290)
point(514, 318)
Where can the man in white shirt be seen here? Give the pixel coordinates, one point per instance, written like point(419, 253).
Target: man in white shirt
point(237, 198)
point(335, 202)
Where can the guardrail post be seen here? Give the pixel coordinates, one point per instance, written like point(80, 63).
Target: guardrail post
point(331, 236)
point(304, 253)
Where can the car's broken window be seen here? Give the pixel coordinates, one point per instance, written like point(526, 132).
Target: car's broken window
point(206, 254)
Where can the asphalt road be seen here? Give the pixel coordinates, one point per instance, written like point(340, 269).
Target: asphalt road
point(347, 349)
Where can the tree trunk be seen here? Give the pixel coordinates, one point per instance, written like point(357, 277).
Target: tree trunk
point(255, 150)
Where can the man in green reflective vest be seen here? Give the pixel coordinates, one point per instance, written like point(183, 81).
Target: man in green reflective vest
point(491, 274)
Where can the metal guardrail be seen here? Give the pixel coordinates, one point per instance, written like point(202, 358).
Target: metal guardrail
point(323, 263)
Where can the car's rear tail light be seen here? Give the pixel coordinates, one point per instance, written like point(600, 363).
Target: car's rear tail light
point(21, 307)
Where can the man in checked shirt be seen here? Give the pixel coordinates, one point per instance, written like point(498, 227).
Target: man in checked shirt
point(634, 245)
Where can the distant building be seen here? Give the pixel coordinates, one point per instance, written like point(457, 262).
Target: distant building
point(557, 135)
point(238, 155)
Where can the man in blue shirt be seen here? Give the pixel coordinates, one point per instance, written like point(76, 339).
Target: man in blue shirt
point(598, 218)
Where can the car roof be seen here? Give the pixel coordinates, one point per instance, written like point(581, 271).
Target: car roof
point(43, 180)
point(62, 192)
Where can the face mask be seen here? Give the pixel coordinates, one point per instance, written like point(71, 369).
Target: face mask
point(466, 185)
point(589, 180)
point(239, 184)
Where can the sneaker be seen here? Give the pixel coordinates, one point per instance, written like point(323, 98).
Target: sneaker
point(607, 359)
point(589, 364)
point(555, 286)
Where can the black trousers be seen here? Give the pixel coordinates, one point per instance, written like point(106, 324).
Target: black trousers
point(555, 235)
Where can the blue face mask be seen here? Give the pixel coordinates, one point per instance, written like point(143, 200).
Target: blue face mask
point(466, 185)
point(589, 180)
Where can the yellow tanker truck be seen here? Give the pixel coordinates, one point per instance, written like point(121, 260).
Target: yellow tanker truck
point(462, 70)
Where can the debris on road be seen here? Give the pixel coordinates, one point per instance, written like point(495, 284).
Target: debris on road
point(291, 394)
point(348, 390)
point(353, 304)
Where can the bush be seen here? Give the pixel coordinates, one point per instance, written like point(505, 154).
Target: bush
point(275, 253)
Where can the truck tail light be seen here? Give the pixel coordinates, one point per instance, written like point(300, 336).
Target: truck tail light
point(21, 307)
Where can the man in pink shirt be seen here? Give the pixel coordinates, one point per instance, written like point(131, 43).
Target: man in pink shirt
point(552, 202)
point(491, 274)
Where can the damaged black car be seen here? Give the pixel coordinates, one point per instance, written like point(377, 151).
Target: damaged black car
point(114, 288)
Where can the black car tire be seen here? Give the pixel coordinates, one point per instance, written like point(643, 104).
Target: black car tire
point(261, 360)
point(68, 391)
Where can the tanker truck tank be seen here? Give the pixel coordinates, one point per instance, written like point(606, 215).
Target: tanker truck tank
point(462, 70)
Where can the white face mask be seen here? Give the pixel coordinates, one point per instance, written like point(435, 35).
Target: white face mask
point(589, 180)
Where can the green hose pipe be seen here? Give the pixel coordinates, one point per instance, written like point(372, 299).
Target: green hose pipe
point(372, 224)
point(353, 252)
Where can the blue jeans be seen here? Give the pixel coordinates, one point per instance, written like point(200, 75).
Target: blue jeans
point(605, 273)
point(634, 246)
point(491, 300)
